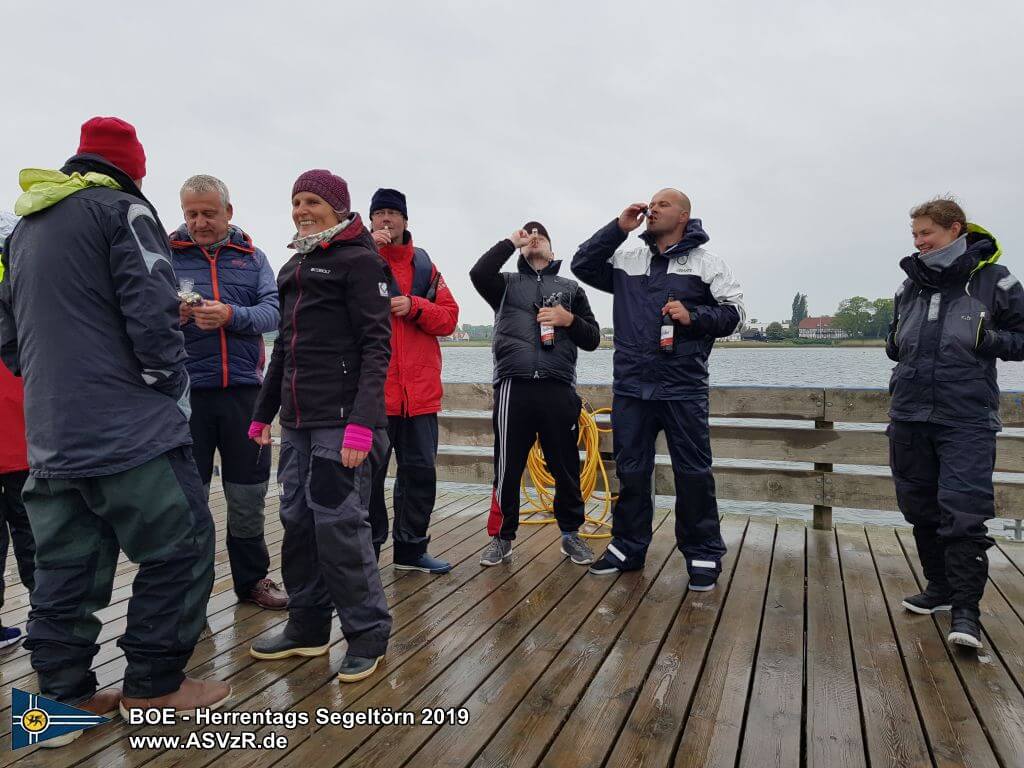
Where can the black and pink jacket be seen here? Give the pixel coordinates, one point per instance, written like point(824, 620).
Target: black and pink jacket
point(330, 359)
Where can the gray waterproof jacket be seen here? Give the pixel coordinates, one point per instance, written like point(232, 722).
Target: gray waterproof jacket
point(956, 312)
point(89, 319)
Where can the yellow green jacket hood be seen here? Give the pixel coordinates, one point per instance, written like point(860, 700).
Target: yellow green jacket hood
point(44, 188)
point(980, 232)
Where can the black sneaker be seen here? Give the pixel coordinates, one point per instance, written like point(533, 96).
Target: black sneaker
point(355, 668)
point(605, 566)
point(965, 629)
point(425, 564)
point(934, 598)
point(281, 646)
point(702, 582)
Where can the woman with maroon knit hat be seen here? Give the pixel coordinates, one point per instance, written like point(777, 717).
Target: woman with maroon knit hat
point(326, 378)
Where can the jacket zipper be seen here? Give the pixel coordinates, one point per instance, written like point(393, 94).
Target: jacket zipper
point(981, 324)
point(536, 333)
point(224, 377)
point(295, 335)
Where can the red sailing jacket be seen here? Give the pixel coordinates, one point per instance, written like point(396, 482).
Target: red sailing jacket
point(414, 386)
point(13, 453)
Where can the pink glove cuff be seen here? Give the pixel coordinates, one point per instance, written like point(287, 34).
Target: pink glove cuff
point(256, 429)
point(358, 438)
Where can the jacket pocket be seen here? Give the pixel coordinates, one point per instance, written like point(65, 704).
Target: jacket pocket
point(963, 392)
point(901, 371)
point(901, 447)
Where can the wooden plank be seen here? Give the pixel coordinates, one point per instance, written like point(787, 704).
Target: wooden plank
point(513, 664)
point(711, 735)
point(656, 720)
point(833, 735)
point(994, 692)
point(849, 404)
point(955, 736)
point(726, 402)
point(734, 441)
point(870, 491)
point(891, 726)
point(871, 405)
point(773, 724)
point(792, 486)
point(768, 402)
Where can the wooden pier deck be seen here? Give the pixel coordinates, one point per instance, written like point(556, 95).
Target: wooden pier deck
point(801, 657)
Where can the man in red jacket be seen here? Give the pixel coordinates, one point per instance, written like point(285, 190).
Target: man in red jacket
point(422, 308)
point(13, 473)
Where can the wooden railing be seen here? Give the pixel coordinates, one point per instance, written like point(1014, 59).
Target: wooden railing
point(466, 432)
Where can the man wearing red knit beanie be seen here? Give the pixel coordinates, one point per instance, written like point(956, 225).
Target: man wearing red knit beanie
point(106, 417)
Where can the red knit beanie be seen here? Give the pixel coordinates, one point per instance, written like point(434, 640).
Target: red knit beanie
point(115, 141)
point(333, 189)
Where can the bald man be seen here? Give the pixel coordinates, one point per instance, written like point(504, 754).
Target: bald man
point(673, 298)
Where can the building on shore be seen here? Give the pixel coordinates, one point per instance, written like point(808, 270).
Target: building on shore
point(820, 328)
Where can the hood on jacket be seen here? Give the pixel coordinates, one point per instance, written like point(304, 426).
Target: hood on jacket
point(43, 188)
point(970, 252)
point(693, 236)
point(237, 239)
point(525, 269)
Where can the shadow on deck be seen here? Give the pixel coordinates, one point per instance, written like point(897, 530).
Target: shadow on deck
point(802, 656)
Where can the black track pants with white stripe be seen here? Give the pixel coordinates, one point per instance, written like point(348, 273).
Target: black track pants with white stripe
point(525, 409)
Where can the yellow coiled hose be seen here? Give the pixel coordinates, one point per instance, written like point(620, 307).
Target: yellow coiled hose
point(594, 482)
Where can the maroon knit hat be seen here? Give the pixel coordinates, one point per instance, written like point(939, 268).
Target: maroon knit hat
point(333, 189)
point(115, 141)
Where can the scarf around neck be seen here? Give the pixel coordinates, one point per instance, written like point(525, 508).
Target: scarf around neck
point(309, 242)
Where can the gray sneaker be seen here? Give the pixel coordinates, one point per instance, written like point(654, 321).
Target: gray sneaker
point(576, 549)
point(497, 552)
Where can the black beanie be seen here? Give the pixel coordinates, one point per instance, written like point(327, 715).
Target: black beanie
point(532, 225)
point(389, 198)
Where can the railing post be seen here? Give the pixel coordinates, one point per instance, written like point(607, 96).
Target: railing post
point(1015, 529)
point(822, 512)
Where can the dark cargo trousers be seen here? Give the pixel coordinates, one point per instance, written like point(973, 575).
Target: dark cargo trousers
point(220, 423)
point(943, 478)
point(327, 559)
point(636, 424)
point(15, 530)
point(414, 440)
point(156, 513)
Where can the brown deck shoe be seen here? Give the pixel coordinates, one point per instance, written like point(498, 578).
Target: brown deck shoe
point(192, 695)
point(103, 703)
point(266, 594)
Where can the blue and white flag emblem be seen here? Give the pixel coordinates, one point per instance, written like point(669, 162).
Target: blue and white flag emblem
point(35, 719)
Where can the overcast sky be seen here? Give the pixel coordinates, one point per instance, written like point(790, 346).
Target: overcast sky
point(803, 132)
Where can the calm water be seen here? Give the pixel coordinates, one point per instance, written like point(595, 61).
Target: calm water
point(790, 367)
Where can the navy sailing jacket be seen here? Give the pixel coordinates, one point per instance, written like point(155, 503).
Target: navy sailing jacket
point(641, 279)
point(956, 312)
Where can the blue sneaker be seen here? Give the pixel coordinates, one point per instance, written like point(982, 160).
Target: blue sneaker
point(9, 636)
point(424, 563)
